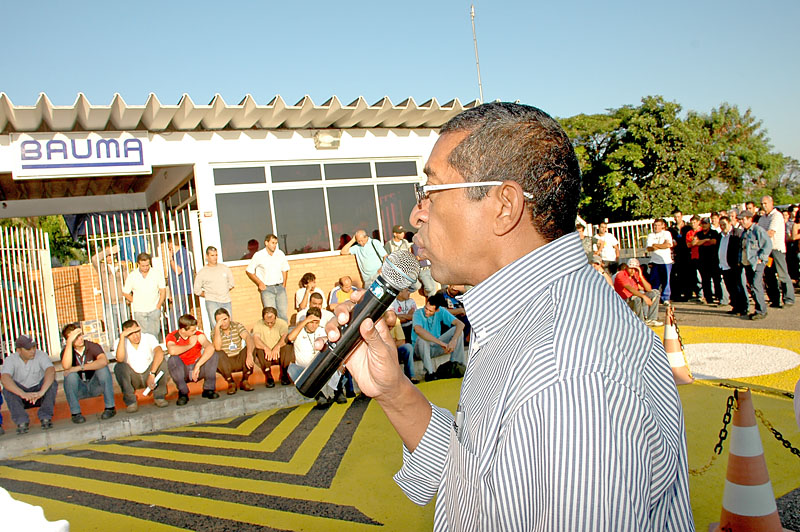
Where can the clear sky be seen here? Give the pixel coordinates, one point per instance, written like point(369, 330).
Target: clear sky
point(566, 57)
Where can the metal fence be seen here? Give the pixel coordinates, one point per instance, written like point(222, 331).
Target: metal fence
point(113, 243)
point(27, 304)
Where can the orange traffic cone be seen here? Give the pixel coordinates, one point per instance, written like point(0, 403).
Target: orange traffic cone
point(672, 345)
point(749, 502)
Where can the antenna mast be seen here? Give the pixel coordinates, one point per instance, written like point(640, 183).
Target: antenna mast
point(477, 62)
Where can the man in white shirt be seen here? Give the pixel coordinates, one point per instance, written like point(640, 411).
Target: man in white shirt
point(139, 361)
point(269, 270)
point(146, 291)
point(405, 307)
point(315, 301)
point(302, 338)
point(607, 248)
point(775, 227)
point(659, 244)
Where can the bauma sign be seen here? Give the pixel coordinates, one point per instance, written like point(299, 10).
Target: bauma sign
point(55, 155)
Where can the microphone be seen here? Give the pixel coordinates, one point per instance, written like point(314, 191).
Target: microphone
point(399, 271)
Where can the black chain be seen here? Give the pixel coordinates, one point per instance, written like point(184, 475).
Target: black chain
point(778, 436)
point(726, 419)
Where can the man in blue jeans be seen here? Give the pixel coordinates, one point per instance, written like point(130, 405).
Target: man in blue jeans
point(86, 373)
point(29, 380)
point(756, 248)
point(428, 339)
point(146, 291)
point(269, 270)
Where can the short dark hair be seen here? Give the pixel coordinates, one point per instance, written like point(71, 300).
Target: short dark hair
point(436, 300)
point(127, 324)
point(316, 295)
point(209, 249)
point(186, 321)
point(726, 218)
point(221, 310)
point(68, 328)
point(578, 227)
point(747, 214)
point(270, 237)
point(662, 220)
point(314, 311)
point(307, 278)
point(268, 310)
point(141, 257)
point(510, 141)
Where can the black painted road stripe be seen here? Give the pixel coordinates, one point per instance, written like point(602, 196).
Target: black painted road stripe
point(257, 435)
point(168, 516)
point(232, 424)
point(320, 475)
point(272, 502)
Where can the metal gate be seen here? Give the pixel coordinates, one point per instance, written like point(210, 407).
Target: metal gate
point(113, 243)
point(27, 298)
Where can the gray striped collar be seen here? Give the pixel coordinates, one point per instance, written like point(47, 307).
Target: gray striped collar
point(490, 304)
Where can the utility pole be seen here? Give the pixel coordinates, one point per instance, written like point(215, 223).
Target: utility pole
point(477, 62)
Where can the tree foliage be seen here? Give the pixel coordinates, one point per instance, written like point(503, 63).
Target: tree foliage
point(62, 246)
point(646, 160)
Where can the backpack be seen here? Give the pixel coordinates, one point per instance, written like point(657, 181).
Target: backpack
point(450, 370)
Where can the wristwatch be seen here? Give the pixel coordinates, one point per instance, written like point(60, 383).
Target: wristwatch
point(153, 373)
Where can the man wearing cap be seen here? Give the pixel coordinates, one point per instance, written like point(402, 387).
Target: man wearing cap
point(369, 255)
point(706, 241)
point(29, 380)
point(398, 240)
point(631, 286)
point(756, 249)
point(776, 274)
point(597, 264)
point(86, 373)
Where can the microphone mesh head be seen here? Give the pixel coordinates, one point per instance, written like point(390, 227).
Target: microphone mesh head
point(401, 269)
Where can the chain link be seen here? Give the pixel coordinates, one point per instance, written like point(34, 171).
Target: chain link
point(723, 435)
point(778, 436)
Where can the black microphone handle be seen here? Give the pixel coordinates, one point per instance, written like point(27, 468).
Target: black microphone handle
point(327, 361)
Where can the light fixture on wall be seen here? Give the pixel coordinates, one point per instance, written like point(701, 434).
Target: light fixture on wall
point(327, 139)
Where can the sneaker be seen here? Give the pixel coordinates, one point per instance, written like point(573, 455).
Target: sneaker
point(231, 389)
point(414, 380)
point(430, 377)
point(788, 304)
point(211, 394)
point(78, 418)
point(131, 408)
point(350, 394)
point(271, 382)
point(22, 428)
point(246, 386)
point(47, 424)
point(182, 399)
point(322, 401)
point(160, 402)
point(757, 316)
point(654, 323)
point(108, 413)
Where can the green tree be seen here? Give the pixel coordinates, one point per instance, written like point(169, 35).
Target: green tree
point(62, 246)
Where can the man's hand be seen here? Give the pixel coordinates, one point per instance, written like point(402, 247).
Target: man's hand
point(195, 373)
point(248, 361)
point(261, 286)
point(74, 334)
point(373, 364)
point(128, 332)
point(151, 381)
point(274, 353)
point(647, 300)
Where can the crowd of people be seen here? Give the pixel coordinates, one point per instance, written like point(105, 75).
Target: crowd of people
point(142, 361)
point(727, 258)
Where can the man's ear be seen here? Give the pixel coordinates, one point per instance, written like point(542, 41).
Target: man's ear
point(510, 207)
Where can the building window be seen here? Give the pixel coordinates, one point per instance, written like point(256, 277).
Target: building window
point(302, 225)
point(352, 208)
point(396, 203)
point(239, 176)
point(242, 216)
point(295, 172)
point(396, 169)
point(347, 171)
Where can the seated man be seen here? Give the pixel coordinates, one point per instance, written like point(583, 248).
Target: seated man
point(86, 373)
point(341, 293)
point(405, 307)
point(316, 301)
point(403, 348)
point(308, 286)
point(269, 338)
point(139, 360)
point(454, 306)
point(303, 337)
point(632, 286)
point(29, 380)
point(231, 354)
point(192, 357)
point(428, 339)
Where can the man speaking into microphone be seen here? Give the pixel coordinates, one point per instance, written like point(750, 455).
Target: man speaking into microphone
point(568, 419)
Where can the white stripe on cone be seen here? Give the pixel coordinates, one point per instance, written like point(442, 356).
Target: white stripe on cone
point(746, 441)
point(750, 501)
point(670, 332)
point(676, 360)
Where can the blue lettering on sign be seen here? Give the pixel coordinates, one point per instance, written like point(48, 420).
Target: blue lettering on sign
point(131, 153)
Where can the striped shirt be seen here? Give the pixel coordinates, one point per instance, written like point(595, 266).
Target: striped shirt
point(569, 416)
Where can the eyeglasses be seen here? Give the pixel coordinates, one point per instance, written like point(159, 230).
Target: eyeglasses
point(423, 191)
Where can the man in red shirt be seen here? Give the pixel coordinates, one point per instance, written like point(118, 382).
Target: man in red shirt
point(192, 357)
point(692, 286)
point(632, 286)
